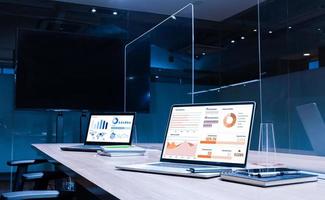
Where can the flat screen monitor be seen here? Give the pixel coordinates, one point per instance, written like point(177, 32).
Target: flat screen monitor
point(58, 70)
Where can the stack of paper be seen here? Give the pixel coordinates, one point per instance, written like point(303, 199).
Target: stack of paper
point(121, 150)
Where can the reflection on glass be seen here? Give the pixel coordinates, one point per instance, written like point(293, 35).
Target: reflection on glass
point(292, 61)
point(266, 145)
point(314, 126)
point(266, 140)
point(159, 72)
point(226, 58)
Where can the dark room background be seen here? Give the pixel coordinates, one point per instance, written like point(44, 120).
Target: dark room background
point(270, 51)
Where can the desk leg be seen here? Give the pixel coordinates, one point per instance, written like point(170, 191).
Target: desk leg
point(86, 189)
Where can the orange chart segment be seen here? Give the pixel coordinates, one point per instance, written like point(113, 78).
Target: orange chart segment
point(229, 120)
point(210, 156)
point(209, 140)
point(181, 149)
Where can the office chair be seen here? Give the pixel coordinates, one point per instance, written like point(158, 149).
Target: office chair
point(41, 180)
point(21, 171)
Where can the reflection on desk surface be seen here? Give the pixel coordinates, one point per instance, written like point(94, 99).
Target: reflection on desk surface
point(100, 172)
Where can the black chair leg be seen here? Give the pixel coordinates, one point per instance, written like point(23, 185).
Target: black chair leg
point(41, 184)
point(18, 183)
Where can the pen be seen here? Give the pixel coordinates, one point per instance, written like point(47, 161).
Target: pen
point(246, 173)
point(273, 174)
point(290, 172)
point(268, 174)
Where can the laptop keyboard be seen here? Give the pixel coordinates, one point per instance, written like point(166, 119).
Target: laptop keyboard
point(178, 165)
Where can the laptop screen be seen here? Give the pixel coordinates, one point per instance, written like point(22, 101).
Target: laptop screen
point(209, 133)
point(110, 128)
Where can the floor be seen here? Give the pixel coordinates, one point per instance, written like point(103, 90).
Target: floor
point(4, 186)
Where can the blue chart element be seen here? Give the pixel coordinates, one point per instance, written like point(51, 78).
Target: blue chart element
point(100, 125)
point(115, 120)
point(113, 135)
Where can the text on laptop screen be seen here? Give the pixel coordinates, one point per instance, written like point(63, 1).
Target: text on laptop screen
point(110, 128)
point(209, 133)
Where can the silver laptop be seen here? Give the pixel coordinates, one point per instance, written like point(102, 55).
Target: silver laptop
point(106, 129)
point(206, 138)
point(314, 126)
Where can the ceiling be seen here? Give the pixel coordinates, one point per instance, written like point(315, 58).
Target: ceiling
point(213, 10)
point(228, 39)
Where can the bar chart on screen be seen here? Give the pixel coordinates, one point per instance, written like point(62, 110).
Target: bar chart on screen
point(100, 124)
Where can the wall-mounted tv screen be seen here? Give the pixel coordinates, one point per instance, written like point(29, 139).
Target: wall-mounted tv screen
point(58, 70)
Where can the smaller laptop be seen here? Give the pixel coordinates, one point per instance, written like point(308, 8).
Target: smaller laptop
point(106, 129)
point(203, 140)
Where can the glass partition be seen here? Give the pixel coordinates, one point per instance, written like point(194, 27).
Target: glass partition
point(292, 79)
point(226, 59)
point(292, 51)
point(158, 71)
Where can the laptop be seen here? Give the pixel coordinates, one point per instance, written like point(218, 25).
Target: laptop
point(211, 137)
point(106, 129)
point(314, 126)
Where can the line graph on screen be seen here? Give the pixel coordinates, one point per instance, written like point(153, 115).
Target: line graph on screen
point(180, 149)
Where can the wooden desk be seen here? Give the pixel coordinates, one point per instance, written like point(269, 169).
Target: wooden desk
point(101, 172)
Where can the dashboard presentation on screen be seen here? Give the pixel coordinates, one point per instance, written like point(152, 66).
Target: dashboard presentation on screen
point(110, 128)
point(213, 133)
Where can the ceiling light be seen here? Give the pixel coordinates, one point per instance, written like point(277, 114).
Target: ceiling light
point(156, 77)
point(203, 53)
point(173, 17)
point(270, 32)
point(255, 30)
point(114, 13)
point(242, 37)
point(93, 10)
point(289, 27)
point(318, 29)
point(306, 54)
point(232, 41)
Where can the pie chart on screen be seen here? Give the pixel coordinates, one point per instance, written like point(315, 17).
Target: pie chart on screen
point(229, 120)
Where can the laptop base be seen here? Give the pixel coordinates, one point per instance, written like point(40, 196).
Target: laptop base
point(175, 171)
point(82, 148)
